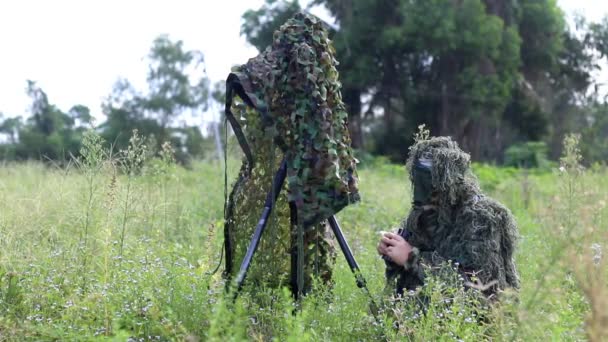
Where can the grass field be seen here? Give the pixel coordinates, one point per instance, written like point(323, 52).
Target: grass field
point(122, 248)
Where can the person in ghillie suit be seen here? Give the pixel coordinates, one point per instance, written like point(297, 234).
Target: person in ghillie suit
point(451, 222)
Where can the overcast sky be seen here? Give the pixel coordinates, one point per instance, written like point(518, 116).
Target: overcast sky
point(77, 49)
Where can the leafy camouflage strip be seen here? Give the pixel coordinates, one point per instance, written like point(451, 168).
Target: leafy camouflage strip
point(290, 105)
point(460, 224)
point(272, 264)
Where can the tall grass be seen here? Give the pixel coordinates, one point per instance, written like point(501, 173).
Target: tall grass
point(121, 247)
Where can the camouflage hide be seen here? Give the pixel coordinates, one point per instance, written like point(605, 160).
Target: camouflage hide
point(290, 107)
point(459, 224)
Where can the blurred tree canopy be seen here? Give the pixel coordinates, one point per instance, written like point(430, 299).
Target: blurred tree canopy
point(490, 73)
point(48, 133)
point(506, 78)
point(176, 84)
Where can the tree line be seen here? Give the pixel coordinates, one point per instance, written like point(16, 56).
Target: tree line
point(176, 85)
point(506, 78)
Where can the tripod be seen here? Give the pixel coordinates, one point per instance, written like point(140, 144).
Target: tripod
point(271, 197)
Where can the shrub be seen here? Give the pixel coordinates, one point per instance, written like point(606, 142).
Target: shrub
point(531, 154)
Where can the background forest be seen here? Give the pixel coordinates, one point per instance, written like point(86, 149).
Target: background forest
point(506, 79)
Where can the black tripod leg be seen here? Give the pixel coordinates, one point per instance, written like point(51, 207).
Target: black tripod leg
point(348, 254)
point(352, 263)
point(293, 279)
point(271, 197)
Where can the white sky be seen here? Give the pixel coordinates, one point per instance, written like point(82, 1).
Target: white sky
point(77, 49)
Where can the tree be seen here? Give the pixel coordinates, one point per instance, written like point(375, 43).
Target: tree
point(259, 25)
point(594, 142)
point(48, 133)
point(466, 67)
point(599, 37)
point(176, 83)
point(10, 127)
point(45, 117)
point(170, 89)
point(81, 115)
point(366, 45)
point(487, 72)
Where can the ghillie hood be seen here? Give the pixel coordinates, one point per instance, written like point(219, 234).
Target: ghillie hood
point(451, 176)
point(294, 87)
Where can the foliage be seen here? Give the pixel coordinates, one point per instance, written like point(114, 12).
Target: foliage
point(48, 133)
point(176, 84)
point(490, 177)
point(594, 137)
point(531, 154)
point(162, 287)
point(488, 73)
point(259, 25)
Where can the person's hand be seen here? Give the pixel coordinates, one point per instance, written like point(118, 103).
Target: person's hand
point(382, 247)
point(395, 247)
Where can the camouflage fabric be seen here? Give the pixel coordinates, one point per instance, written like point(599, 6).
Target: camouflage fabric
point(289, 106)
point(458, 224)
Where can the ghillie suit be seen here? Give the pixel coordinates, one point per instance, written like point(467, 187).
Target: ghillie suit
point(451, 220)
point(289, 107)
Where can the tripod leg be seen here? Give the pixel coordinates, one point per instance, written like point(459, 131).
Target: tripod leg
point(301, 256)
point(352, 263)
point(295, 290)
point(348, 254)
point(271, 197)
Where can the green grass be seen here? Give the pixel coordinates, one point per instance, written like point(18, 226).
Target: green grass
point(79, 260)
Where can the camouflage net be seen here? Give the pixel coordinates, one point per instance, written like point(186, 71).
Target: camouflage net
point(290, 107)
point(460, 224)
